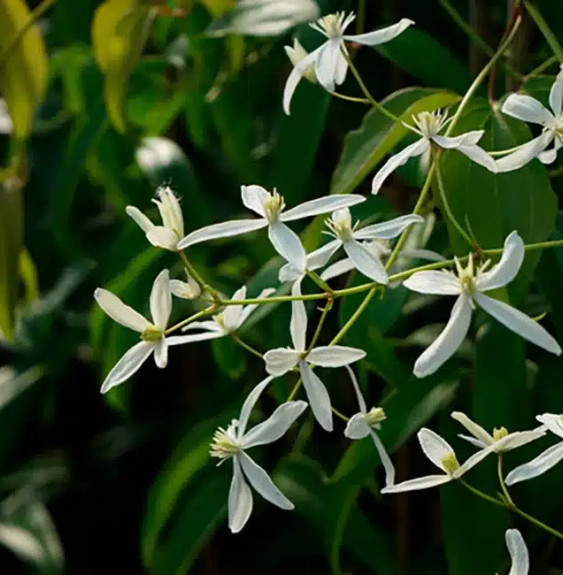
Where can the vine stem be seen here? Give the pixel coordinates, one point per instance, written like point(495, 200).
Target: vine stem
point(246, 346)
point(203, 313)
point(350, 98)
point(201, 282)
point(502, 483)
point(545, 30)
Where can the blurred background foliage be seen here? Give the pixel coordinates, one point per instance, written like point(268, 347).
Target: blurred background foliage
point(108, 100)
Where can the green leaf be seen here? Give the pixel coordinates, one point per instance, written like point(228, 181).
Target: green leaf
point(365, 147)
point(23, 65)
point(119, 34)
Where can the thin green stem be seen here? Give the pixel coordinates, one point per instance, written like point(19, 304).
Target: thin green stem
point(502, 483)
point(340, 415)
point(246, 346)
point(538, 523)
point(320, 325)
point(507, 151)
point(361, 17)
point(319, 281)
point(203, 313)
point(541, 68)
point(200, 281)
point(350, 98)
point(344, 329)
point(294, 391)
point(482, 495)
point(550, 37)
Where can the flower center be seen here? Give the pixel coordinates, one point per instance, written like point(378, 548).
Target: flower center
point(499, 433)
point(273, 206)
point(450, 463)
point(340, 223)
point(333, 25)
point(466, 275)
point(152, 333)
point(430, 123)
point(375, 416)
point(224, 444)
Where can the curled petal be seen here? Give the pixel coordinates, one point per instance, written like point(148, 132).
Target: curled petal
point(222, 230)
point(479, 156)
point(254, 197)
point(365, 261)
point(128, 364)
point(556, 94)
point(295, 77)
point(140, 219)
point(553, 422)
point(507, 268)
point(527, 109)
point(357, 427)
point(249, 404)
point(549, 156)
point(385, 459)
point(327, 62)
point(162, 237)
point(359, 396)
point(280, 360)
point(474, 428)
point(380, 36)
point(388, 230)
point(518, 552)
point(161, 354)
point(335, 355)
point(240, 499)
point(120, 312)
point(287, 243)
point(418, 483)
point(319, 400)
point(538, 466)
point(161, 300)
point(525, 153)
point(456, 142)
point(321, 206)
point(436, 448)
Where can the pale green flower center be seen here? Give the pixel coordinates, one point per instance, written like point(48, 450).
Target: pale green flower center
point(341, 226)
point(499, 433)
point(450, 463)
point(331, 25)
point(152, 333)
point(466, 275)
point(224, 444)
point(375, 416)
point(273, 206)
point(430, 123)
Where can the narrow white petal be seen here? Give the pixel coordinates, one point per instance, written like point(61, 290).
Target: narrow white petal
point(446, 344)
point(260, 480)
point(183, 339)
point(388, 230)
point(287, 243)
point(456, 142)
point(525, 153)
point(526, 108)
point(208, 325)
point(240, 499)
point(130, 362)
point(479, 156)
point(119, 312)
point(473, 441)
point(289, 274)
point(359, 396)
point(518, 552)
point(233, 313)
point(161, 353)
point(417, 149)
point(280, 360)
point(222, 230)
point(550, 155)
point(416, 484)
point(365, 261)
point(385, 459)
point(341, 67)
point(162, 237)
point(507, 268)
point(298, 322)
point(183, 290)
point(319, 400)
point(321, 206)
point(553, 422)
point(519, 438)
point(436, 448)
point(335, 355)
point(275, 426)
point(140, 219)
point(248, 309)
point(357, 427)
point(380, 36)
point(319, 258)
point(556, 94)
point(518, 322)
point(254, 197)
point(249, 404)
point(474, 428)
point(326, 63)
point(538, 466)
point(474, 460)
point(338, 268)
point(161, 300)
point(295, 77)
point(434, 282)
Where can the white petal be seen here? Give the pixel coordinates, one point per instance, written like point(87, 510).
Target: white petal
point(474, 428)
point(280, 360)
point(417, 149)
point(507, 268)
point(553, 422)
point(474, 460)
point(526, 108)
point(319, 400)
point(326, 63)
point(185, 290)
point(183, 339)
point(140, 219)
point(222, 230)
point(319, 258)
point(254, 198)
point(208, 325)
point(335, 355)
point(518, 322)
point(262, 483)
point(130, 362)
point(416, 484)
point(295, 77)
point(550, 155)
point(289, 274)
point(232, 313)
point(338, 268)
point(473, 441)
point(436, 448)
point(287, 243)
point(385, 459)
point(321, 206)
point(518, 552)
point(434, 282)
point(249, 404)
point(161, 300)
point(119, 312)
point(519, 438)
point(479, 156)
point(248, 309)
point(542, 463)
point(341, 68)
point(359, 396)
point(162, 237)
point(448, 341)
point(388, 230)
point(380, 36)
point(240, 499)
point(556, 94)
point(525, 153)
point(275, 426)
point(365, 261)
point(357, 427)
point(298, 322)
point(161, 353)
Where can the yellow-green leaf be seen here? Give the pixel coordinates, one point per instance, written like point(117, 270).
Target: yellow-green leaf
point(23, 65)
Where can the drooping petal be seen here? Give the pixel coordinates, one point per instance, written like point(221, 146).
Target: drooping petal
point(474, 460)
point(416, 484)
point(479, 156)
point(232, 313)
point(527, 109)
point(385, 459)
point(319, 400)
point(295, 77)
point(335, 355)
point(298, 322)
point(338, 268)
point(553, 422)
point(341, 67)
point(326, 63)
point(380, 36)
point(550, 155)
point(436, 448)
point(321, 206)
point(518, 322)
point(476, 442)
point(240, 499)
point(518, 552)
point(280, 360)
point(287, 243)
point(183, 339)
point(262, 483)
point(161, 353)
point(525, 153)
point(162, 237)
point(474, 428)
point(507, 268)
point(361, 401)
point(275, 426)
point(388, 230)
point(222, 230)
point(161, 300)
point(455, 142)
point(248, 309)
point(248, 406)
point(446, 344)
point(120, 312)
point(130, 362)
point(417, 149)
point(357, 427)
point(538, 466)
point(184, 290)
point(365, 261)
point(140, 219)
point(254, 197)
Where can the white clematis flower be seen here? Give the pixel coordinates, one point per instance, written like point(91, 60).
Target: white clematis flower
point(429, 125)
point(468, 286)
point(329, 60)
point(271, 209)
point(169, 234)
point(228, 321)
point(501, 441)
point(546, 460)
point(297, 54)
point(281, 360)
point(441, 454)
point(530, 110)
point(153, 335)
point(232, 443)
point(365, 423)
point(189, 289)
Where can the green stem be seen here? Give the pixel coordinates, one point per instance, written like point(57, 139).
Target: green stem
point(340, 415)
point(482, 495)
point(502, 483)
point(361, 17)
point(201, 282)
point(344, 329)
point(537, 522)
point(246, 346)
point(543, 66)
point(319, 281)
point(203, 313)
point(350, 98)
point(317, 333)
point(294, 391)
point(545, 30)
